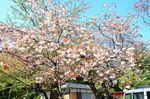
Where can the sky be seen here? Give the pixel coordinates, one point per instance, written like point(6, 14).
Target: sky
point(123, 6)
point(4, 8)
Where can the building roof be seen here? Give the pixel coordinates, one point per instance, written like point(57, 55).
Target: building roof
point(76, 86)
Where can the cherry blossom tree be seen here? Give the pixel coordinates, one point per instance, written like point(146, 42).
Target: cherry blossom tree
point(116, 37)
point(142, 7)
point(32, 12)
point(60, 47)
point(54, 23)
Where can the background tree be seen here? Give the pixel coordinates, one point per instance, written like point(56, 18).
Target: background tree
point(144, 68)
point(139, 75)
point(15, 80)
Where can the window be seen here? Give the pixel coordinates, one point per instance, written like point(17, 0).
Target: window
point(139, 95)
point(148, 94)
point(128, 96)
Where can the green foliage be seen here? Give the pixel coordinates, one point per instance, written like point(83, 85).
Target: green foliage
point(144, 67)
point(130, 78)
point(14, 82)
point(98, 85)
point(139, 75)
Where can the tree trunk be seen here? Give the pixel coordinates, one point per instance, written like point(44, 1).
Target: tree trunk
point(44, 93)
point(100, 94)
point(106, 92)
point(37, 87)
point(96, 92)
point(55, 93)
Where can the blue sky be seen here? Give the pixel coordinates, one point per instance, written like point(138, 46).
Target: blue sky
point(4, 8)
point(124, 6)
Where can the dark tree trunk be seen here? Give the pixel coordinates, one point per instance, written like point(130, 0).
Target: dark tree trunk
point(44, 93)
point(55, 93)
point(105, 90)
point(95, 91)
point(37, 87)
point(100, 94)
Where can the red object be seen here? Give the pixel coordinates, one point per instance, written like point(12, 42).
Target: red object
point(117, 95)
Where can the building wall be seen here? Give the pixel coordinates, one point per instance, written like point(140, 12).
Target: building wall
point(66, 96)
point(79, 95)
point(87, 95)
point(72, 95)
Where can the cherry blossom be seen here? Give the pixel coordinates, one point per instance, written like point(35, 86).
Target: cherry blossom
point(60, 48)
